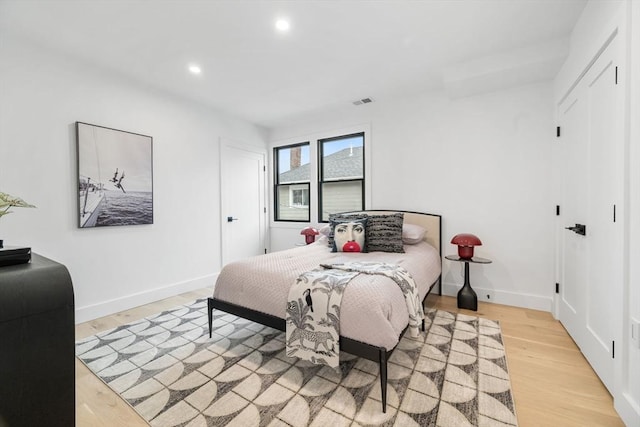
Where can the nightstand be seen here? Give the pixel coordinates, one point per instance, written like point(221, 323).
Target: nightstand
point(467, 297)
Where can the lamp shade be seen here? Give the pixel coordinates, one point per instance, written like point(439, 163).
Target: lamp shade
point(466, 242)
point(309, 234)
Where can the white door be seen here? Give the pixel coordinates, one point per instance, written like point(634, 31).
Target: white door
point(591, 263)
point(243, 209)
point(574, 211)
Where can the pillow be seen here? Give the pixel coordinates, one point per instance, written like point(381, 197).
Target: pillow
point(325, 230)
point(340, 217)
point(349, 235)
point(384, 233)
point(412, 234)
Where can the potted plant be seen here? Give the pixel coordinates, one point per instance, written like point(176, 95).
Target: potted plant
point(7, 202)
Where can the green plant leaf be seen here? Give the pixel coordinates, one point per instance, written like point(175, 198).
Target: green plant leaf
point(7, 200)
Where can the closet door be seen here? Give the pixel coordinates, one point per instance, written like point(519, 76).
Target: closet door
point(592, 262)
point(575, 254)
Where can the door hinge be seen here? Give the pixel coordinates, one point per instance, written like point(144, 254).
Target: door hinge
point(264, 168)
point(558, 131)
point(264, 209)
point(265, 250)
point(614, 213)
point(616, 74)
point(613, 349)
point(557, 210)
point(557, 288)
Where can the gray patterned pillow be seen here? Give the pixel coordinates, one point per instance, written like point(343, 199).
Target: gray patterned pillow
point(349, 235)
point(342, 217)
point(384, 233)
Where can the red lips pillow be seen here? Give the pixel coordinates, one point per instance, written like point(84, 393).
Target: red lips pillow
point(349, 235)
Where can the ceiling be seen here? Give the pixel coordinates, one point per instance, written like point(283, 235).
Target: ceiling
point(335, 52)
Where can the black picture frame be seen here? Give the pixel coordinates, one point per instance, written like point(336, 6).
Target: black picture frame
point(115, 177)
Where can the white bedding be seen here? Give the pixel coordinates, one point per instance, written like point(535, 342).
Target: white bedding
point(373, 307)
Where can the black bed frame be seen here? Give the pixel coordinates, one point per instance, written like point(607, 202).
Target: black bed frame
point(351, 346)
point(357, 348)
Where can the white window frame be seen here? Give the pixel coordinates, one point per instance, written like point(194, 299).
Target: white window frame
point(298, 187)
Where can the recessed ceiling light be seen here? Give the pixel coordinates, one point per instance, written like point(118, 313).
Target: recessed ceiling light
point(195, 69)
point(282, 25)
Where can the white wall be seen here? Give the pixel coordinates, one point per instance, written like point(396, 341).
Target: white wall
point(483, 163)
point(42, 95)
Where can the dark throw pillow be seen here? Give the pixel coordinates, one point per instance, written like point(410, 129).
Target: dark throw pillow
point(384, 233)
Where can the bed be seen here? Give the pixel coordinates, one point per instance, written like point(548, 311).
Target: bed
point(256, 289)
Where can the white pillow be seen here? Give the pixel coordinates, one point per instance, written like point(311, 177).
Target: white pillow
point(412, 234)
point(325, 230)
point(322, 239)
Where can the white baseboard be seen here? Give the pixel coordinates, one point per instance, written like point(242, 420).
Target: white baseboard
point(90, 312)
point(628, 409)
point(534, 302)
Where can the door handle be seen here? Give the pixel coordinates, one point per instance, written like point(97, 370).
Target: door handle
point(231, 219)
point(580, 229)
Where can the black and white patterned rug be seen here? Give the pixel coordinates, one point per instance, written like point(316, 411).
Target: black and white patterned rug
point(169, 370)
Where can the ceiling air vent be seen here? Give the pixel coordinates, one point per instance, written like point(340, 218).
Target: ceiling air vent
point(362, 101)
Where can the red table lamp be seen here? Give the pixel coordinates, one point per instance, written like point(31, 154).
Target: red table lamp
point(466, 242)
point(309, 234)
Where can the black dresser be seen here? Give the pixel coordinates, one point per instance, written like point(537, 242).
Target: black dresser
point(37, 353)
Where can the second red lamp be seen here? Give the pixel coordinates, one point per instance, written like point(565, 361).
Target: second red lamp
point(466, 243)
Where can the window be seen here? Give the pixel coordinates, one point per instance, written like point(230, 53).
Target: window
point(341, 177)
point(292, 182)
point(317, 178)
point(299, 196)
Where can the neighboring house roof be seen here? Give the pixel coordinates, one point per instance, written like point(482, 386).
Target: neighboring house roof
point(346, 163)
point(296, 175)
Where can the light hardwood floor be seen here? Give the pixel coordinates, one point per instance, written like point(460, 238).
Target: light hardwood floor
point(553, 384)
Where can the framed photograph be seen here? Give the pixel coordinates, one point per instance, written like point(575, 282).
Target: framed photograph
point(115, 177)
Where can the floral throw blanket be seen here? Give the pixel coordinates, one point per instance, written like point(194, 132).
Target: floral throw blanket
point(313, 308)
point(313, 316)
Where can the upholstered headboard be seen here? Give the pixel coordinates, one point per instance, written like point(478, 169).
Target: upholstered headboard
point(432, 222)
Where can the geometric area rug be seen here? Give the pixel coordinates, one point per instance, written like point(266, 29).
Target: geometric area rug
point(169, 370)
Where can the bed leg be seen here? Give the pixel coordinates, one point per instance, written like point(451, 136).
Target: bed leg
point(210, 312)
point(383, 378)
